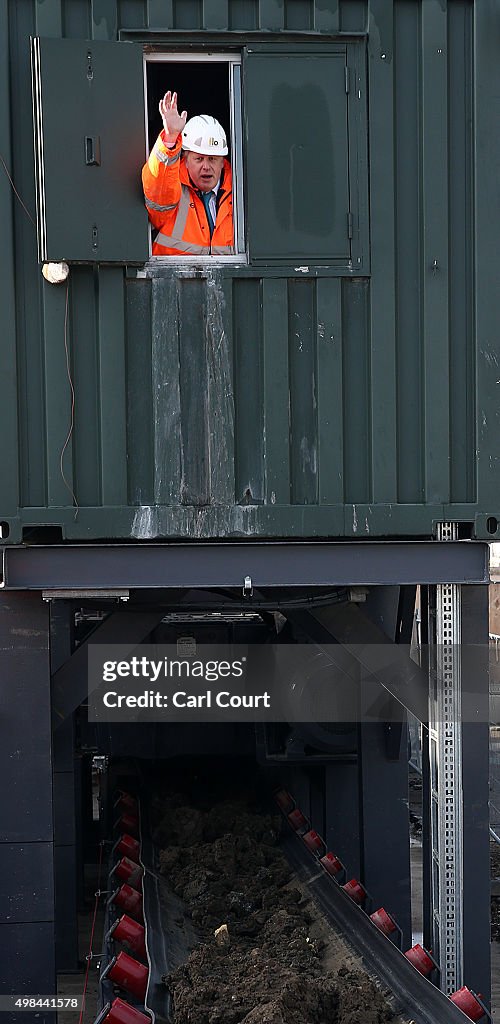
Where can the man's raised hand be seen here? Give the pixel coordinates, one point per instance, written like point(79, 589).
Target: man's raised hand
point(173, 122)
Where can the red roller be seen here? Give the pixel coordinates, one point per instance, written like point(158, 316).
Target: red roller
point(129, 931)
point(126, 802)
point(129, 974)
point(129, 847)
point(384, 921)
point(128, 823)
point(355, 890)
point(285, 802)
point(314, 842)
point(332, 864)
point(298, 821)
point(469, 1003)
point(129, 900)
point(120, 1012)
point(128, 871)
point(421, 959)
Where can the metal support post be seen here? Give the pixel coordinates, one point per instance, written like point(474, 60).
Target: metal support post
point(61, 629)
point(458, 795)
point(27, 932)
point(383, 798)
point(475, 772)
point(445, 752)
point(342, 814)
point(427, 916)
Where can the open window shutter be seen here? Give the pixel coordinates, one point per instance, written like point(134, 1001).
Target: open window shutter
point(88, 105)
point(297, 153)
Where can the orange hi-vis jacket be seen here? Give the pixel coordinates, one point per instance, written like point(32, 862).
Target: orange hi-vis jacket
point(175, 208)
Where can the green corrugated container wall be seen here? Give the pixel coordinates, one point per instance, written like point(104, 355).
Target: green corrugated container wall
point(356, 398)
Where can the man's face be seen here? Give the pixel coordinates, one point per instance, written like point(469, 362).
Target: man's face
point(204, 171)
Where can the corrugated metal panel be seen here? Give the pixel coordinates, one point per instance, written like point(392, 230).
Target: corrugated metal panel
point(406, 308)
point(461, 250)
point(486, 311)
point(8, 405)
point(253, 401)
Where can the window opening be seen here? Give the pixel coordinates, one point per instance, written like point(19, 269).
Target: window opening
point(207, 83)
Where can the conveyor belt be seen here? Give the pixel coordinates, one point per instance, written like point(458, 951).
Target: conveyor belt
point(170, 935)
point(416, 997)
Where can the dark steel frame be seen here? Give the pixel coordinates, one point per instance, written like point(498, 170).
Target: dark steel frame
point(158, 569)
point(267, 564)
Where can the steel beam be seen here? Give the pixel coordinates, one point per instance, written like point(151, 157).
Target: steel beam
point(267, 564)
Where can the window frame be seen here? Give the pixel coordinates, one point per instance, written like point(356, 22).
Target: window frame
point(234, 62)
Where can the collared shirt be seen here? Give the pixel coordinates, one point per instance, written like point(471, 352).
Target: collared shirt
point(213, 201)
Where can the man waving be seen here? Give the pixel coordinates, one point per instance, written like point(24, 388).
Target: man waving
point(188, 185)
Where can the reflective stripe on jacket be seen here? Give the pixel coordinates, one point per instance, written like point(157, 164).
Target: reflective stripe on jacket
point(175, 208)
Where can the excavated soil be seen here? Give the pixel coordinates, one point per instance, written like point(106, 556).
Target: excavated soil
point(495, 899)
point(495, 918)
point(495, 860)
point(276, 961)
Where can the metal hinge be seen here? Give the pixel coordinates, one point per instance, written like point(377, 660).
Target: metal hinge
point(349, 224)
point(346, 73)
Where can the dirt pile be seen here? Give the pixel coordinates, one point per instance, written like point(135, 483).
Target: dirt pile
point(495, 897)
point(495, 860)
point(495, 918)
point(277, 964)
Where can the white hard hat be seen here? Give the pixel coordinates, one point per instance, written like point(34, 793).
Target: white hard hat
point(203, 134)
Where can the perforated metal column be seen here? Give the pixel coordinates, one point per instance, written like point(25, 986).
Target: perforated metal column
point(445, 752)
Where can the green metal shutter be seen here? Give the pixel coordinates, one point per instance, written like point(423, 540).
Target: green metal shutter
point(88, 104)
point(297, 153)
